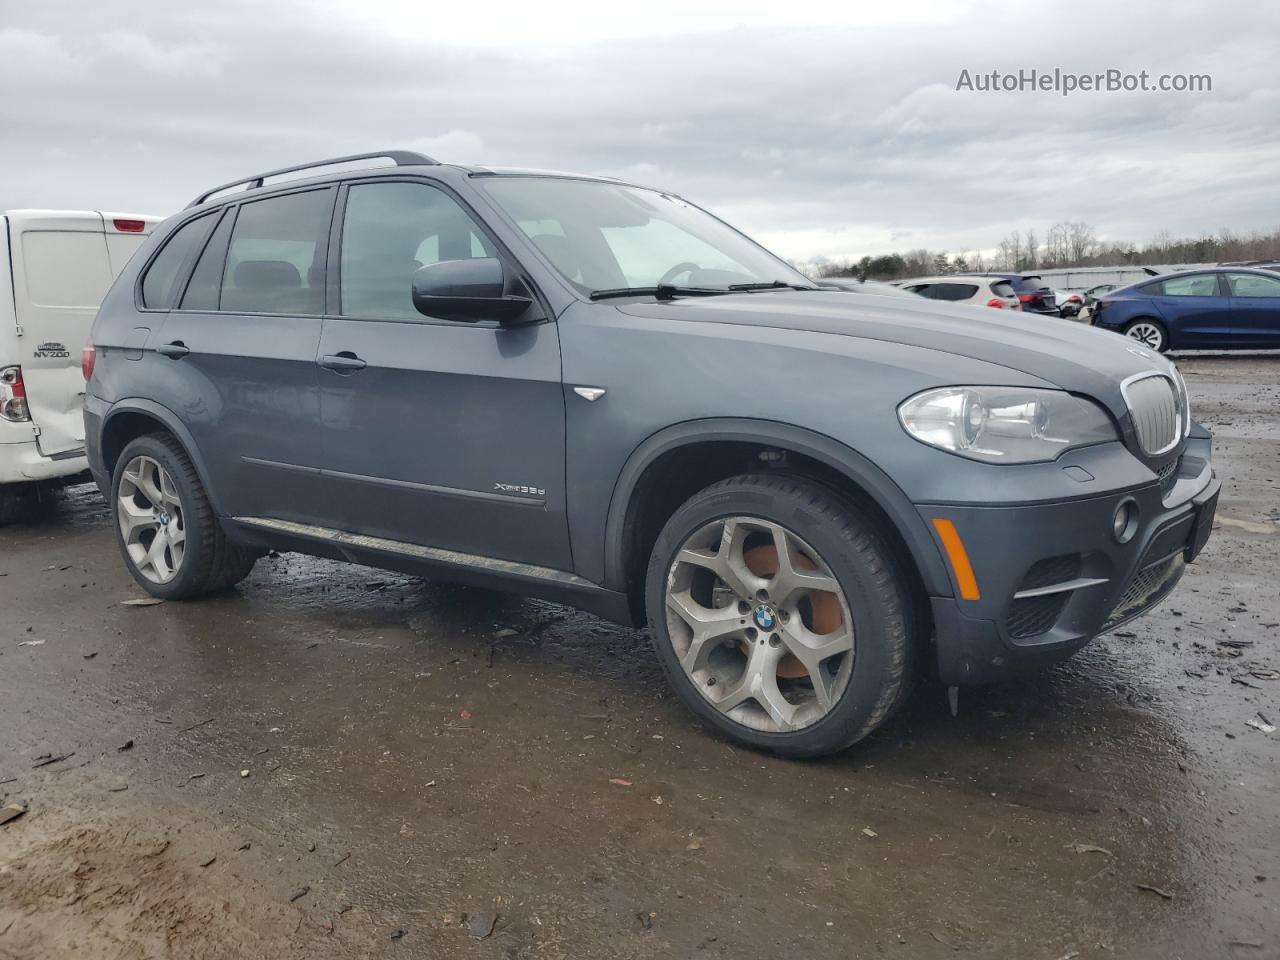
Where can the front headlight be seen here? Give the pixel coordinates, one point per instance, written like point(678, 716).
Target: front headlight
point(1004, 424)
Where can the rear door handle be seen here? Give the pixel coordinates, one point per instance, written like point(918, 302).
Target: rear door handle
point(344, 362)
point(175, 350)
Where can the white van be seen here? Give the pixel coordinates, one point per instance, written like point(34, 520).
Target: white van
point(55, 268)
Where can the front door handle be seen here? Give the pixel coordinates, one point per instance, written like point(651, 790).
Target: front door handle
point(344, 362)
point(175, 350)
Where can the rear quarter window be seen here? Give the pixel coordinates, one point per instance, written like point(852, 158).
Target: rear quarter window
point(1002, 288)
point(162, 276)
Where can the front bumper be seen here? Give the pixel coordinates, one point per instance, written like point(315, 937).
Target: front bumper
point(1053, 575)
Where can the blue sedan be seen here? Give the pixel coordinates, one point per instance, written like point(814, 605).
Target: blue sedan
point(1221, 309)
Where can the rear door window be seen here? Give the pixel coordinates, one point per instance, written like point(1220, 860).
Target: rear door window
point(164, 276)
point(1197, 285)
point(276, 260)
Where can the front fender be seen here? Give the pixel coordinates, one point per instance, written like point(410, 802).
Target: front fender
point(869, 478)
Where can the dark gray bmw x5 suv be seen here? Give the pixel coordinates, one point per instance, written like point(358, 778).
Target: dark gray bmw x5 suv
point(601, 394)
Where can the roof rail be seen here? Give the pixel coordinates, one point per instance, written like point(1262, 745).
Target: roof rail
point(401, 158)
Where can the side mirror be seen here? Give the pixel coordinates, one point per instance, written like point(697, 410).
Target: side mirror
point(467, 290)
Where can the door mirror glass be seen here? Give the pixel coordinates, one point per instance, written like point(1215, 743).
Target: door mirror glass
point(467, 290)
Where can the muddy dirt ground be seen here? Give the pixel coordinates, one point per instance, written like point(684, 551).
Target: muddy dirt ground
point(335, 762)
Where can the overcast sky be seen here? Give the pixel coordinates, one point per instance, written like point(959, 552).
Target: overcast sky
point(820, 132)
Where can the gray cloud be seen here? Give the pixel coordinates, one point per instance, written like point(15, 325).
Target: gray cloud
point(832, 139)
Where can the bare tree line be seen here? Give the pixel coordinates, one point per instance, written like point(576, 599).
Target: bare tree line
point(1066, 244)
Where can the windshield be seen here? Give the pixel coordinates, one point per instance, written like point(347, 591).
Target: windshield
point(606, 236)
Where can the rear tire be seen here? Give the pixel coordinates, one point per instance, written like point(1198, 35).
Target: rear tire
point(742, 615)
point(156, 493)
point(1150, 333)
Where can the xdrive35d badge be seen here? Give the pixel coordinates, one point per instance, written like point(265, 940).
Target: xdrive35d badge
point(516, 488)
point(809, 497)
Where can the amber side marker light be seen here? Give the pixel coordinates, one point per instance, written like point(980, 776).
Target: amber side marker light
point(959, 558)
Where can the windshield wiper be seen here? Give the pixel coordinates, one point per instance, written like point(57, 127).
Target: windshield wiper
point(768, 285)
point(663, 291)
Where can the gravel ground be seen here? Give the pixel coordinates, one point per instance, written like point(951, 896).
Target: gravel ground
point(335, 761)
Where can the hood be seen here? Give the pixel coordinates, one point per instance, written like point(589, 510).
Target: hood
point(1069, 355)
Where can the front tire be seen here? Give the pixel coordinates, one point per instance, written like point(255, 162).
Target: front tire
point(168, 534)
point(779, 616)
point(1150, 333)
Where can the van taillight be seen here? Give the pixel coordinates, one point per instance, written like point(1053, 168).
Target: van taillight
point(996, 302)
point(129, 226)
point(1028, 297)
point(88, 356)
point(13, 395)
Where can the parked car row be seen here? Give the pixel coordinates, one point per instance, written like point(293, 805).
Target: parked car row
point(1232, 306)
point(1004, 291)
point(1216, 309)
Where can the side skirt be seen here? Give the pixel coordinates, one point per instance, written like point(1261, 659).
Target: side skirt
point(434, 562)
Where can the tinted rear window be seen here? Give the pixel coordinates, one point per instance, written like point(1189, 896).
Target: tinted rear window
point(1002, 288)
point(1029, 284)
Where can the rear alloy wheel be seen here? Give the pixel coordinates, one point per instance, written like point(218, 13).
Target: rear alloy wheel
point(152, 526)
point(1148, 333)
point(172, 543)
point(779, 616)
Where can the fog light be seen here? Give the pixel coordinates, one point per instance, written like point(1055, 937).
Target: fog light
point(1125, 523)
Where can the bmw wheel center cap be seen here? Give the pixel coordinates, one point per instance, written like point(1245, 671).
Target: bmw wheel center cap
point(765, 618)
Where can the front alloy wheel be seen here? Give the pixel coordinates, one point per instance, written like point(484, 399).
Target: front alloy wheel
point(152, 523)
point(780, 616)
point(760, 624)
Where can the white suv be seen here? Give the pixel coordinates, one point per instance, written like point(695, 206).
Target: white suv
point(55, 268)
point(977, 291)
